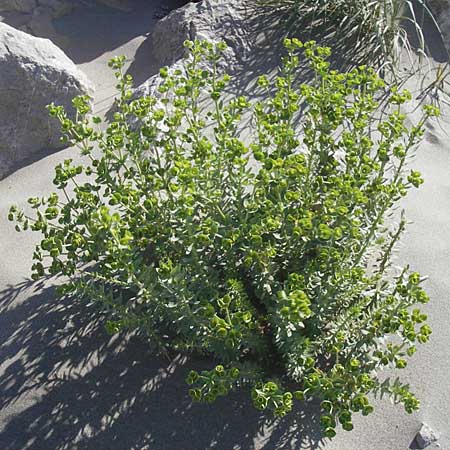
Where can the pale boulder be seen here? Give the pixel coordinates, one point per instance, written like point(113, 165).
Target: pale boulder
point(33, 73)
point(212, 20)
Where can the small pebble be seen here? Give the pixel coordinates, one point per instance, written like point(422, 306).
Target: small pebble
point(426, 436)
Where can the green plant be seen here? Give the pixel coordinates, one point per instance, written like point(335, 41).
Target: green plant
point(372, 31)
point(272, 255)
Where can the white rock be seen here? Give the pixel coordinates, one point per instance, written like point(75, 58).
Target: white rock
point(150, 87)
point(33, 73)
point(214, 20)
point(426, 436)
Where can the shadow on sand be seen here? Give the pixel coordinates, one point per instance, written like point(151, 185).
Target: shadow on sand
point(66, 385)
point(88, 32)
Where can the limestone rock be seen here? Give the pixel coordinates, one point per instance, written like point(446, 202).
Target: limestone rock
point(213, 20)
point(33, 73)
point(150, 87)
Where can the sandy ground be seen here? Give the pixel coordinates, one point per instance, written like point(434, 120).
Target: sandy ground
point(66, 385)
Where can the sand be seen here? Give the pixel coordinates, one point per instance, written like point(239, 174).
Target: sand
point(65, 384)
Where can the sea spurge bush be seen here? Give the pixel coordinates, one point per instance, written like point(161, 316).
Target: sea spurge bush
point(270, 254)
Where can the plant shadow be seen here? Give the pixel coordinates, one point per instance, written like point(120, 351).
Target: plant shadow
point(67, 385)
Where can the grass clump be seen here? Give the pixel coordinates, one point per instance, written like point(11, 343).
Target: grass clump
point(366, 31)
point(272, 255)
